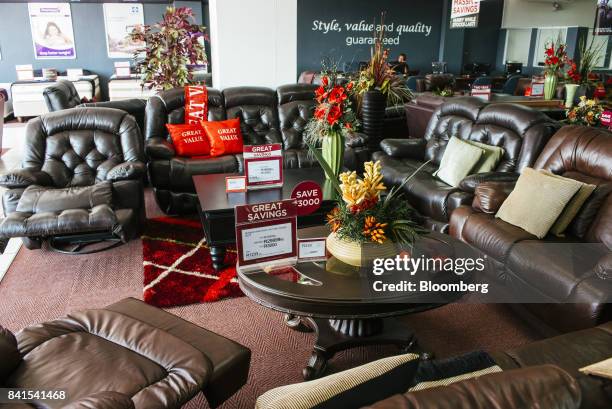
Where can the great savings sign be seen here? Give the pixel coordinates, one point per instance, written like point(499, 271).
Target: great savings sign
point(464, 13)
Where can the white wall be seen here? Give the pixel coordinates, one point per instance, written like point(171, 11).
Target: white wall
point(253, 42)
point(528, 13)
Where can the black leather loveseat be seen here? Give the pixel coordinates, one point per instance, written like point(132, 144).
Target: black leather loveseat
point(521, 131)
point(266, 116)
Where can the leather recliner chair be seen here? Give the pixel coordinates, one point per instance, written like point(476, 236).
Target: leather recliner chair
point(571, 272)
point(521, 131)
point(266, 116)
point(127, 355)
point(63, 95)
point(81, 174)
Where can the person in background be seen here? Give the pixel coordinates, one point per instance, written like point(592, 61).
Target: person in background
point(401, 67)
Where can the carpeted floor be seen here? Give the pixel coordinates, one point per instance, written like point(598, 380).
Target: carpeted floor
point(43, 285)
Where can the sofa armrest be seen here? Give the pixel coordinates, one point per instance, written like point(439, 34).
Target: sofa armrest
point(158, 148)
point(489, 196)
point(470, 182)
point(356, 140)
point(9, 353)
point(126, 171)
point(24, 178)
point(102, 400)
point(404, 148)
point(545, 386)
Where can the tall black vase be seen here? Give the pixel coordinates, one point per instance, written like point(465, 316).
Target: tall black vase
point(373, 115)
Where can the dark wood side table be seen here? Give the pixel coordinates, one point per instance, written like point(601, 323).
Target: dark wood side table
point(216, 207)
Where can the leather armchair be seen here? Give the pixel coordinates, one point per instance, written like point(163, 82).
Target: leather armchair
point(266, 116)
point(63, 95)
point(165, 361)
point(521, 131)
point(577, 287)
point(81, 173)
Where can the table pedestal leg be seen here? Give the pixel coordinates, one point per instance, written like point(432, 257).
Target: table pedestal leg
point(337, 335)
point(217, 253)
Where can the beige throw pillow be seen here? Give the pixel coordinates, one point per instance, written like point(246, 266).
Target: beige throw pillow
point(458, 161)
point(537, 201)
point(573, 207)
point(489, 160)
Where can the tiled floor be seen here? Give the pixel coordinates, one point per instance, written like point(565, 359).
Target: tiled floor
point(12, 141)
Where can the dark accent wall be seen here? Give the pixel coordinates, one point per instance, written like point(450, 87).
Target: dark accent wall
point(88, 26)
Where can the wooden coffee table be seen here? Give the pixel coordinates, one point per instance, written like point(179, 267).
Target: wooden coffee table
point(339, 303)
point(216, 207)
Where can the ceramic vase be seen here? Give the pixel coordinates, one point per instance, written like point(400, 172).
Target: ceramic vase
point(550, 86)
point(359, 254)
point(570, 94)
point(373, 108)
point(333, 152)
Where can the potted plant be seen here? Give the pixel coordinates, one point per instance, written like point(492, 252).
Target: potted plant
point(171, 46)
point(365, 224)
point(333, 119)
point(553, 64)
point(589, 58)
point(378, 86)
point(587, 112)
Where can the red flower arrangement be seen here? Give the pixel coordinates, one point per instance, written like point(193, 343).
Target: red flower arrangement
point(555, 57)
point(573, 74)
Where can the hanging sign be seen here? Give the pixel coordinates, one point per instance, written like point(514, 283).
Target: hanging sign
point(308, 197)
point(263, 165)
point(266, 233)
point(464, 13)
point(603, 19)
point(52, 34)
point(119, 21)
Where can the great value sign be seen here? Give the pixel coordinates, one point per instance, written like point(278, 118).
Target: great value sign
point(263, 165)
point(464, 13)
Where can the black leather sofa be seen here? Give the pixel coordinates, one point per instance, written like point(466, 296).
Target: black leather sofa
point(63, 95)
point(81, 173)
point(266, 116)
point(521, 131)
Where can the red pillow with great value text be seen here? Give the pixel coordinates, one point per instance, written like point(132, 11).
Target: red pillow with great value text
point(189, 140)
point(224, 137)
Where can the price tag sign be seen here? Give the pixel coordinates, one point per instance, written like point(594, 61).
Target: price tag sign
point(606, 118)
point(266, 233)
point(482, 91)
point(308, 197)
point(122, 69)
point(263, 165)
point(312, 249)
point(537, 87)
point(74, 73)
point(25, 72)
point(234, 184)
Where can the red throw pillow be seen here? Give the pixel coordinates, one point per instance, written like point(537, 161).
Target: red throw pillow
point(189, 140)
point(224, 136)
point(196, 104)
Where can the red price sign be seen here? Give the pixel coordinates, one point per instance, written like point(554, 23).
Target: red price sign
point(606, 118)
point(308, 197)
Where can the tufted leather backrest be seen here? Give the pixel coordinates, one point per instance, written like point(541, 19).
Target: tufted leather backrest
point(61, 95)
point(257, 109)
point(585, 154)
point(168, 107)
point(521, 131)
point(79, 146)
point(295, 108)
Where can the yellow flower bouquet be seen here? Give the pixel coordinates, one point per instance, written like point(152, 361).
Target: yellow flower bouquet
point(587, 112)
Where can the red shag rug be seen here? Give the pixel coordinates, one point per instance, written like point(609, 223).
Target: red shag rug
point(177, 265)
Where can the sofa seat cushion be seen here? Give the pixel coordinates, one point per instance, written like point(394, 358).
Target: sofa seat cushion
point(39, 199)
point(564, 271)
point(97, 219)
point(493, 236)
point(182, 169)
point(123, 354)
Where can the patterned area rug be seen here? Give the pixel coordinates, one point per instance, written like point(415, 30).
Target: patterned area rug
point(177, 265)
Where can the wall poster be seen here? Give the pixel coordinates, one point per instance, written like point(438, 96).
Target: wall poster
point(119, 21)
point(464, 13)
point(52, 34)
point(603, 18)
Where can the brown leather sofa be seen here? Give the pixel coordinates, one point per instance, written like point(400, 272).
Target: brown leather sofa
point(81, 174)
point(521, 131)
point(127, 355)
point(267, 116)
point(571, 275)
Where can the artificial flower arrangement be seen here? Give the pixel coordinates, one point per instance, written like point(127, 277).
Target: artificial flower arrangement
point(555, 57)
point(587, 112)
point(364, 215)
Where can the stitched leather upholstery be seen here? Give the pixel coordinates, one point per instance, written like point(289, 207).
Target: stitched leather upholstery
point(61, 95)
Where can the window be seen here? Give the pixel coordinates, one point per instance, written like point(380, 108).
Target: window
point(546, 35)
point(517, 45)
point(600, 43)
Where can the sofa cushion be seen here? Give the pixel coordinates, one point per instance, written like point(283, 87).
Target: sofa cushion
point(352, 388)
point(38, 199)
point(490, 158)
point(458, 160)
point(224, 137)
point(189, 139)
point(537, 201)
